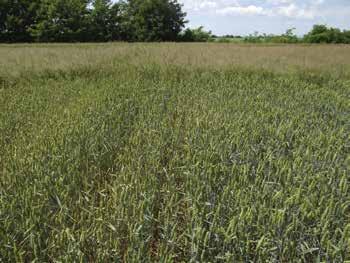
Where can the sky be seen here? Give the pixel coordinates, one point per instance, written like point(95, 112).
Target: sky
point(244, 17)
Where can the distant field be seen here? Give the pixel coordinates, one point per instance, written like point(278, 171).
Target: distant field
point(174, 153)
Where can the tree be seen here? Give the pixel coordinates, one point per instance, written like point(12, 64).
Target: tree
point(323, 34)
point(105, 21)
point(196, 35)
point(346, 34)
point(154, 20)
point(318, 29)
point(116, 22)
point(16, 18)
point(100, 20)
point(288, 37)
point(62, 21)
point(90, 20)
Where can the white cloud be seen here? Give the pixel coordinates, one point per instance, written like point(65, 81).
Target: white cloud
point(293, 11)
point(200, 5)
point(279, 2)
point(242, 10)
point(308, 9)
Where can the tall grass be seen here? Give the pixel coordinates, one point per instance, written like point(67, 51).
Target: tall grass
point(174, 153)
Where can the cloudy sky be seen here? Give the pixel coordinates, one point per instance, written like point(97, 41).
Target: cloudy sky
point(242, 17)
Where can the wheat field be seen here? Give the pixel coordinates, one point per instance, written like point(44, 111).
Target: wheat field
point(169, 152)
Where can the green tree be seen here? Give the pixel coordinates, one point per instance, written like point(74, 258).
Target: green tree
point(62, 21)
point(116, 22)
point(346, 35)
point(105, 21)
point(196, 35)
point(318, 29)
point(154, 20)
point(323, 34)
point(16, 18)
point(288, 37)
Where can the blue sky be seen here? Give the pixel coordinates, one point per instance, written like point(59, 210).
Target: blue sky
point(243, 17)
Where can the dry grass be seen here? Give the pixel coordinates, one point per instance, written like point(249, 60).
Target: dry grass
point(17, 59)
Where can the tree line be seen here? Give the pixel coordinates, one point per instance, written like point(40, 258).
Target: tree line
point(125, 20)
point(90, 20)
point(318, 34)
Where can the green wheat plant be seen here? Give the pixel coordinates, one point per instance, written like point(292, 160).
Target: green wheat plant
point(170, 153)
